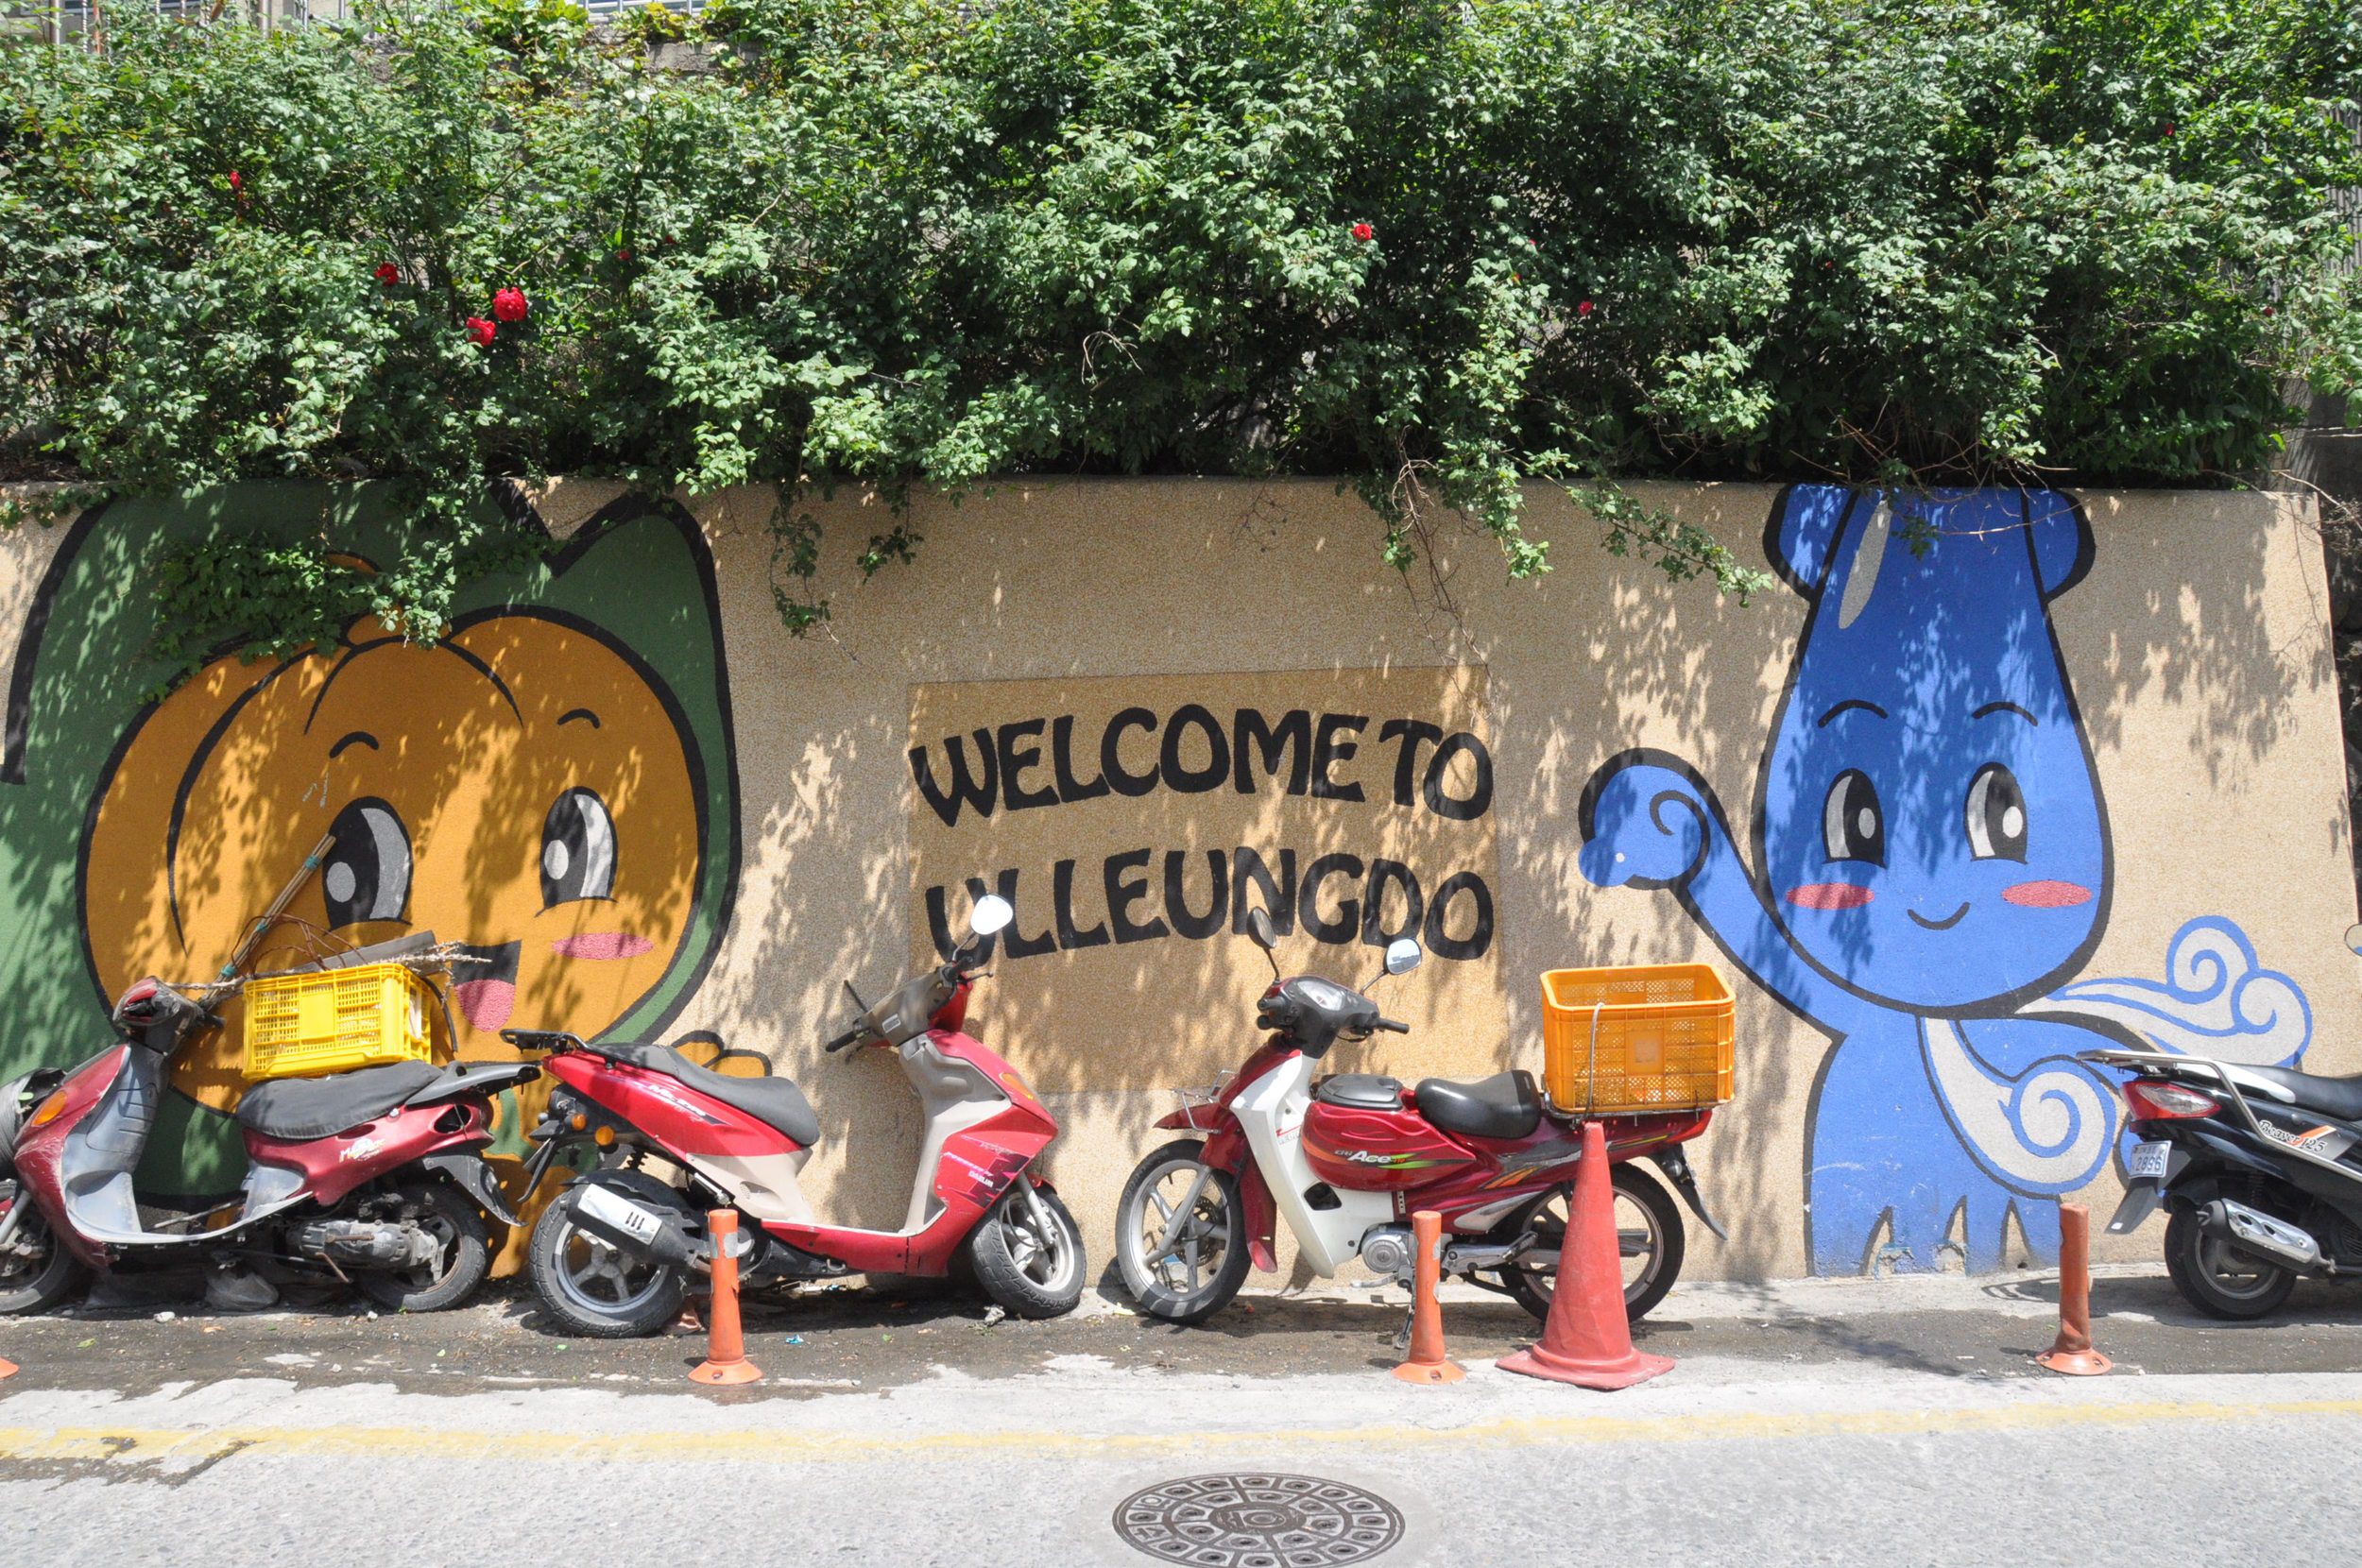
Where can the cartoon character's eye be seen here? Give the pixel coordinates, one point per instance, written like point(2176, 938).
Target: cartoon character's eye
point(1851, 826)
point(577, 849)
point(1996, 816)
point(366, 875)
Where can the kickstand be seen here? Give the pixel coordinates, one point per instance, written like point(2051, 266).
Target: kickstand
point(1402, 1335)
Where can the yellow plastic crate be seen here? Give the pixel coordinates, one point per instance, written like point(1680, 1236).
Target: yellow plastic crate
point(303, 1026)
point(1637, 1038)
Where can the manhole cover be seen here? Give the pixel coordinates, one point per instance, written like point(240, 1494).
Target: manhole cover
point(1258, 1521)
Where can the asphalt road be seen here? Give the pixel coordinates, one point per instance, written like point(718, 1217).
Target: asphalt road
point(1883, 1424)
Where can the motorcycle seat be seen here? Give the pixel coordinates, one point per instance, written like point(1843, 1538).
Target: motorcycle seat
point(2339, 1097)
point(297, 1108)
point(773, 1101)
point(1363, 1091)
point(1505, 1105)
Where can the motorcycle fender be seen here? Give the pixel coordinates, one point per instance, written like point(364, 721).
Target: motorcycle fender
point(1193, 1119)
point(1676, 1167)
point(471, 1175)
point(2141, 1198)
point(1254, 1198)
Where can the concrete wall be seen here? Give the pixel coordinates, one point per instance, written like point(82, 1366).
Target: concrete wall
point(1984, 784)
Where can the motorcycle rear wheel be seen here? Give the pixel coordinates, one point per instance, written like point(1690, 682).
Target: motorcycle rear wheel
point(462, 1256)
point(594, 1288)
point(1649, 1233)
point(37, 1273)
point(2216, 1278)
point(1193, 1267)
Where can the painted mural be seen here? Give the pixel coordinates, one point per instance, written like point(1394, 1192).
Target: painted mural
point(552, 784)
point(1929, 871)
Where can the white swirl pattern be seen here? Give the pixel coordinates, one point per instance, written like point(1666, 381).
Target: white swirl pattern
point(2048, 1131)
point(2216, 1000)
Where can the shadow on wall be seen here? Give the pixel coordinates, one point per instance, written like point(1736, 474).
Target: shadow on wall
point(554, 785)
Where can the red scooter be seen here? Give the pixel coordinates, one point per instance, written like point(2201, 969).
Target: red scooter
point(375, 1177)
point(1347, 1159)
point(612, 1254)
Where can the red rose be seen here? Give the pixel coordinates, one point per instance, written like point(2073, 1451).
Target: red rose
point(236, 182)
point(480, 332)
point(2168, 127)
point(389, 274)
point(623, 255)
point(509, 304)
point(1585, 308)
point(2269, 313)
point(1363, 233)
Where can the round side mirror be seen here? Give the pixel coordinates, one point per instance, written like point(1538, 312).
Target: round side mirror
point(1258, 927)
point(992, 913)
point(1402, 956)
point(2353, 939)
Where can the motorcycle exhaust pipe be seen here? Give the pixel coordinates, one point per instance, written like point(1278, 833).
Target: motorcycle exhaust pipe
point(641, 1230)
point(2256, 1232)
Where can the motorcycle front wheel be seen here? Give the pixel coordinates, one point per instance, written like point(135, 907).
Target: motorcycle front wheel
point(1649, 1236)
point(36, 1271)
point(1029, 1255)
point(1181, 1242)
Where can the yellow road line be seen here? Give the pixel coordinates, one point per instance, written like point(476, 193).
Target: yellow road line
point(142, 1444)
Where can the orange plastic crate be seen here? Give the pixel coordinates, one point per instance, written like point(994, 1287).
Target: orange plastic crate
point(303, 1026)
point(1637, 1038)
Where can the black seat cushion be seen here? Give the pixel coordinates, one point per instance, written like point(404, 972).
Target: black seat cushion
point(316, 1107)
point(776, 1102)
point(2340, 1098)
point(1502, 1107)
point(1365, 1091)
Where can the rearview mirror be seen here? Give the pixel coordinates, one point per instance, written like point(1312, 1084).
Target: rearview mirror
point(1258, 927)
point(2353, 938)
point(992, 914)
point(1402, 956)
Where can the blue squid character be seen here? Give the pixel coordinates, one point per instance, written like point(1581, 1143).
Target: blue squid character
point(1930, 855)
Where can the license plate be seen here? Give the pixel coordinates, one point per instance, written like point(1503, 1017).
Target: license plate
point(2146, 1162)
point(626, 1216)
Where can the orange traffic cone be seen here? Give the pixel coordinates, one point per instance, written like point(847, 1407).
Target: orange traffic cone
point(725, 1350)
point(8, 1368)
point(1588, 1340)
point(1425, 1363)
point(2072, 1353)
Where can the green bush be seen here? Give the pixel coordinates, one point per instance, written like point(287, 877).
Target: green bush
point(1440, 250)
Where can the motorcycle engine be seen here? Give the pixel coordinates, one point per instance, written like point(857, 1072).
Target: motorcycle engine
point(368, 1241)
point(1387, 1250)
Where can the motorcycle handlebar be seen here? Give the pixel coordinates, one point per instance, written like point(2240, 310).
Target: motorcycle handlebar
point(1391, 1026)
point(851, 1037)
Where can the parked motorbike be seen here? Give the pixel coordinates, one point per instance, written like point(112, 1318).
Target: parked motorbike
point(2259, 1170)
point(375, 1177)
point(613, 1254)
point(1348, 1158)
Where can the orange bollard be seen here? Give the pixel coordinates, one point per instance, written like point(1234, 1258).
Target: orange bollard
point(2072, 1353)
point(1426, 1362)
point(1588, 1340)
point(725, 1350)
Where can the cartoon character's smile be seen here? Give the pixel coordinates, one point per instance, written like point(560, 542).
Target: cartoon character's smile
point(1944, 924)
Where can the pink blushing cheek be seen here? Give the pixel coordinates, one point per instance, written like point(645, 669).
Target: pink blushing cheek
point(597, 945)
point(2046, 895)
point(1829, 895)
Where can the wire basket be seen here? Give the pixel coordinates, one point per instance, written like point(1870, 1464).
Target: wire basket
point(1637, 1038)
point(306, 1025)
